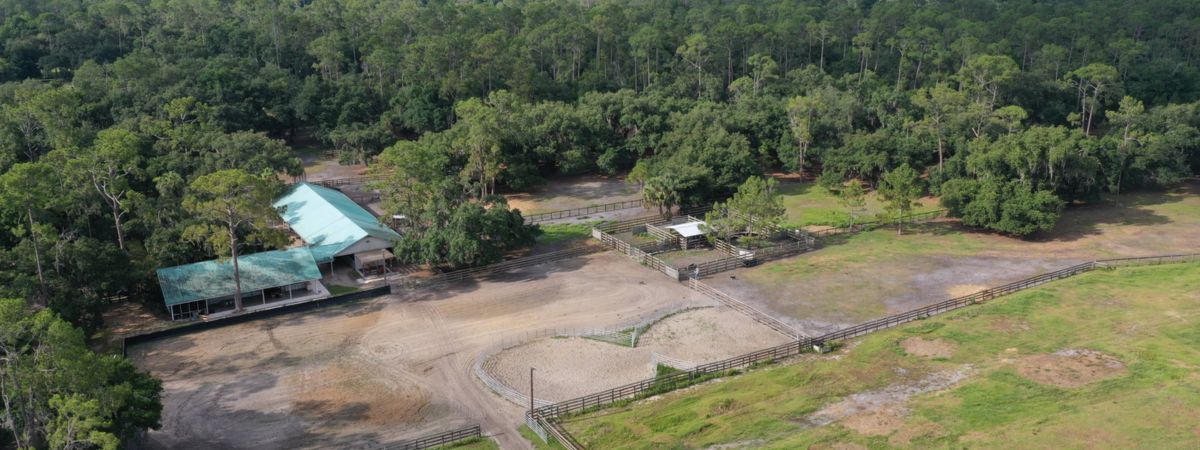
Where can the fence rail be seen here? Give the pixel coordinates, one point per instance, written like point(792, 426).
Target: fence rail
point(576, 212)
point(872, 224)
point(739, 306)
point(506, 266)
point(551, 413)
point(439, 439)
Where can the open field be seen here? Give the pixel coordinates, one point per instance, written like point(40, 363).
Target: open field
point(1106, 359)
point(810, 204)
point(382, 370)
point(860, 277)
point(577, 192)
point(573, 367)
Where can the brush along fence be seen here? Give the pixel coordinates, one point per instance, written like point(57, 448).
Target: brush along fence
point(576, 212)
point(550, 414)
point(659, 359)
point(486, 271)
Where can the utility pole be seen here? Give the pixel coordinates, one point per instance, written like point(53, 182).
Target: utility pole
point(531, 392)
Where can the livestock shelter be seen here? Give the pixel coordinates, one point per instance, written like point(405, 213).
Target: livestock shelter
point(207, 287)
point(690, 233)
point(333, 226)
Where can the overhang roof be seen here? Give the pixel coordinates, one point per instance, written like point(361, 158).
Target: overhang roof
point(687, 230)
point(214, 279)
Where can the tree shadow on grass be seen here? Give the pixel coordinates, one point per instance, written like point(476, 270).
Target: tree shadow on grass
point(1082, 221)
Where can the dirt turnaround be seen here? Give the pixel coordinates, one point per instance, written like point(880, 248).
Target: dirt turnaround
point(1070, 368)
point(928, 348)
point(372, 373)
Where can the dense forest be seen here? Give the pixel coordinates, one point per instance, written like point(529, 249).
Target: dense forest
point(114, 115)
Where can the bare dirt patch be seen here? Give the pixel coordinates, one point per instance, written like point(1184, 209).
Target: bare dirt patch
point(962, 290)
point(573, 192)
point(890, 397)
point(876, 422)
point(928, 348)
point(1070, 368)
point(371, 373)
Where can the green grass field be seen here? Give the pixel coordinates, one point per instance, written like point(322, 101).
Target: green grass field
point(1015, 354)
point(810, 204)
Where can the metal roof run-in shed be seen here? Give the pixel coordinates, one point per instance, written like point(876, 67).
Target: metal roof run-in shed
point(331, 224)
point(687, 230)
point(213, 280)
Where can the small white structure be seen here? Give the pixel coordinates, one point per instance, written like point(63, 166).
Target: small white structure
point(690, 233)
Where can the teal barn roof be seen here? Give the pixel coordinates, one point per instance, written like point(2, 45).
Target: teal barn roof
point(214, 279)
point(328, 221)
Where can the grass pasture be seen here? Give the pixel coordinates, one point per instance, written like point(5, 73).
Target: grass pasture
point(1105, 359)
point(855, 278)
point(808, 204)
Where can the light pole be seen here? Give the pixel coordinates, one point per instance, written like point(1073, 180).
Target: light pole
point(531, 392)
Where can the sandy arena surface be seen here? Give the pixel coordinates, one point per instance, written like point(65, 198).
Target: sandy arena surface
point(572, 367)
point(383, 370)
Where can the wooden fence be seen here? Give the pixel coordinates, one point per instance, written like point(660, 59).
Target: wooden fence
point(551, 414)
point(576, 212)
point(440, 439)
point(638, 253)
point(872, 224)
point(739, 306)
point(502, 267)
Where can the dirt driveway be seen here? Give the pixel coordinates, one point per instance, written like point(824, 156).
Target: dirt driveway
point(372, 373)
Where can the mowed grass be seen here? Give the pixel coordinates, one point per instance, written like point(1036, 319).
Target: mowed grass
point(810, 204)
point(1146, 317)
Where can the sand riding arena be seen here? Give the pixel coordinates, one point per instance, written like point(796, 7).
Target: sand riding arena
point(376, 372)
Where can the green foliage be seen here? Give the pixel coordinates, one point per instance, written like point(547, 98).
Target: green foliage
point(900, 190)
point(756, 208)
point(233, 209)
point(59, 392)
point(457, 232)
point(1009, 207)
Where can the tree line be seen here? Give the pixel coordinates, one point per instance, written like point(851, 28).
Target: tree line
point(123, 122)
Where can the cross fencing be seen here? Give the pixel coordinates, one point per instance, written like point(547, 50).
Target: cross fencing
point(644, 254)
point(502, 267)
point(575, 212)
point(439, 439)
point(739, 306)
point(550, 414)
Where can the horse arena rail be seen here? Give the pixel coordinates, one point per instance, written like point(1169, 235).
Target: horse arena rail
point(501, 267)
point(549, 416)
point(440, 439)
point(626, 334)
point(576, 212)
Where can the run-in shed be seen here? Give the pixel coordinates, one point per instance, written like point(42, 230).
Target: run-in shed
point(206, 287)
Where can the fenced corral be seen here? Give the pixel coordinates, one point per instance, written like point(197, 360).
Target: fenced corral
point(440, 439)
point(739, 306)
point(643, 257)
point(586, 210)
point(625, 334)
point(550, 415)
point(498, 268)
